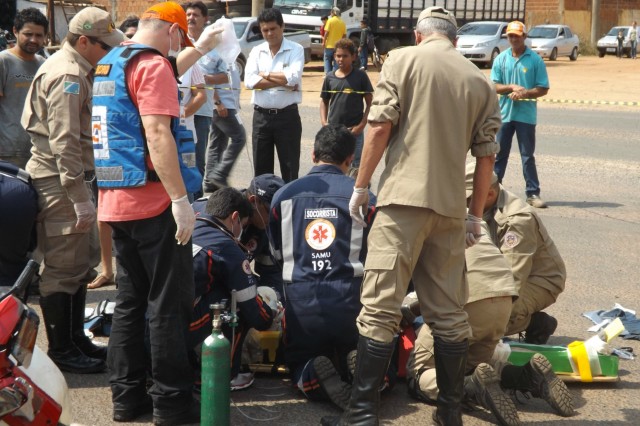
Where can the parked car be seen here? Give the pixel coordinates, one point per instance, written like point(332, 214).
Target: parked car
point(482, 42)
point(249, 35)
point(609, 43)
point(551, 41)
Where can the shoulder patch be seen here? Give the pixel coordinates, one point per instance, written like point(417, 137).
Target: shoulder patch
point(103, 70)
point(511, 239)
point(71, 87)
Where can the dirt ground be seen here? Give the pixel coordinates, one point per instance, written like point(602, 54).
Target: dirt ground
point(588, 79)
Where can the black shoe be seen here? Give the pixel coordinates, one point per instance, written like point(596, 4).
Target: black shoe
point(336, 390)
point(546, 385)
point(483, 387)
point(190, 416)
point(74, 361)
point(128, 414)
point(541, 327)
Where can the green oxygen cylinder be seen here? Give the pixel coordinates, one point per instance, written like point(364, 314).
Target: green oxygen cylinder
point(216, 371)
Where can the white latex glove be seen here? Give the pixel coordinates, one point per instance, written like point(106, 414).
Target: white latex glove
point(359, 198)
point(185, 219)
point(208, 40)
point(473, 230)
point(86, 214)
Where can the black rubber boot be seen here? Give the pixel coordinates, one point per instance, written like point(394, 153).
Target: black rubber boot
point(371, 366)
point(56, 311)
point(538, 378)
point(451, 360)
point(483, 388)
point(81, 340)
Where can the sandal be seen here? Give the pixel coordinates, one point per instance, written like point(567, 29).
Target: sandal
point(101, 280)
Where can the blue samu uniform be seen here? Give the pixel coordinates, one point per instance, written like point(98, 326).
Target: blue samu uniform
point(219, 266)
point(322, 253)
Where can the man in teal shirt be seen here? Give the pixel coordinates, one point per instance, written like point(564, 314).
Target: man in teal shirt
point(520, 77)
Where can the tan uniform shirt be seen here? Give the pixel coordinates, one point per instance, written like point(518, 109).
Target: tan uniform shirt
point(425, 161)
point(523, 240)
point(57, 116)
point(488, 271)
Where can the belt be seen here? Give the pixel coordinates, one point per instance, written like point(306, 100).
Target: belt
point(275, 110)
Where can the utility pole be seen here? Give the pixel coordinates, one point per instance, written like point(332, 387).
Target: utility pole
point(256, 7)
point(52, 25)
point(595, 21)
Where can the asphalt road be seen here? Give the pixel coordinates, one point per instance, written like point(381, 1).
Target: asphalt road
point(589, 167)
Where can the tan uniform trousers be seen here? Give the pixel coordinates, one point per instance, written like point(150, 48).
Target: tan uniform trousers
point(488, 320)
point(69, 255)
point(532, 299)
point(416, 243)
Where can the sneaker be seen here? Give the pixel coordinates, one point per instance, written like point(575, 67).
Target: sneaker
point(336, 390)
point(541, 327)
point(546, 385)
point(483, 386)
point(242, 381)
point(536, 201)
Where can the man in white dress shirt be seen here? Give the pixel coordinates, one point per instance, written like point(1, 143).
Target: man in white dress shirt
point(274, 72)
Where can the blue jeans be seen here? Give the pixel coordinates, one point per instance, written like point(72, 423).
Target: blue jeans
point(329, 61)
point(364, 53)
point(202, 123)
point(526, 134)
point(221, 155)
point(634, 46)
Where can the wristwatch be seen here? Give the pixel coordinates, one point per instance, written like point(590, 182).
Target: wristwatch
point(216, 103)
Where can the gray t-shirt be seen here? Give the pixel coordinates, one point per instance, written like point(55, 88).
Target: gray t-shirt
point(16, 76)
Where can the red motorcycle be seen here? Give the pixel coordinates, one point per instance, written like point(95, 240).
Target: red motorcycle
point(33, 391)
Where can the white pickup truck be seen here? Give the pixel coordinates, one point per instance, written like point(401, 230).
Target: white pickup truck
point(249, 35)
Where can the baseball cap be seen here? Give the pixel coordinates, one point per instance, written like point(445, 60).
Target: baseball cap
point(439, 13)
point(517, 28)
point(265, 186)
point(471, 168)
point(94, 22)
point(172, 12)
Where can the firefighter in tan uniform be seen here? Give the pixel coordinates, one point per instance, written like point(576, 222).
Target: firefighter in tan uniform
point(537, 266)
point(492, 290)
point(57, 116)
point(491, 294)
point(419, 231)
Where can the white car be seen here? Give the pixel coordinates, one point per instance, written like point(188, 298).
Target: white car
point(482, 41)
point(609, 43)
point(551, 41)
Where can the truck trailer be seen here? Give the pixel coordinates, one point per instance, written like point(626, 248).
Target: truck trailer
point(392, 21)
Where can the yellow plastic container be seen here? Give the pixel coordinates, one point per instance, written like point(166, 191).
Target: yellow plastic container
point(269, 341)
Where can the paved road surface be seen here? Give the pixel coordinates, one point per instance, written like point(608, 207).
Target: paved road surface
point(589, 166)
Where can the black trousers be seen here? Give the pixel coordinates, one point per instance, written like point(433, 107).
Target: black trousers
point(282, 131)
point(158, 283)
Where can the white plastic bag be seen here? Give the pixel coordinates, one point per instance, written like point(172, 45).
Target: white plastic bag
point(228, 48)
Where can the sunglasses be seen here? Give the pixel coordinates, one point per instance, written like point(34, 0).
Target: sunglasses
point(102, 44)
